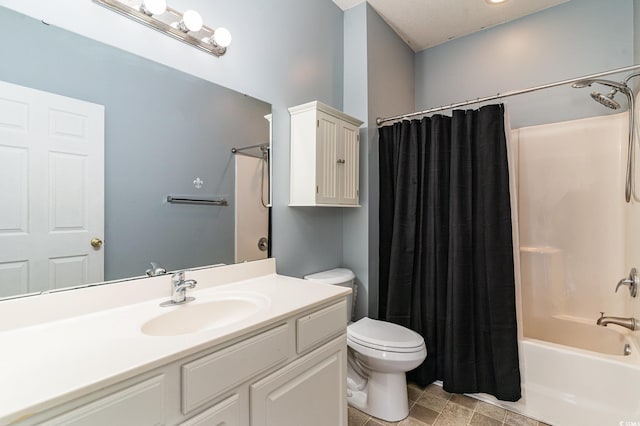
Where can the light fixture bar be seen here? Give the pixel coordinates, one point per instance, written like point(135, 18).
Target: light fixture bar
point(163, 23)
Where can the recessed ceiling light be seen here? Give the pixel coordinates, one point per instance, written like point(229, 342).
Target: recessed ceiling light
point(492, 2)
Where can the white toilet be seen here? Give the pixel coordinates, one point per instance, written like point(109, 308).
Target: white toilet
point(380, 353)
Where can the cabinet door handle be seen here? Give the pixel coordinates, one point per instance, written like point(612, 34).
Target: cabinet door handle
point(340, 161)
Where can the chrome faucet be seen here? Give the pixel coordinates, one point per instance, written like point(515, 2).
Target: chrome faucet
point(179, 288)
point(630, 323)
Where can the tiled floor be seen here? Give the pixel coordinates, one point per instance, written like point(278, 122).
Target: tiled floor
point(435, 406)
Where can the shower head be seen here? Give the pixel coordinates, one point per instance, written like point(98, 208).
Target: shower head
point(606, 100)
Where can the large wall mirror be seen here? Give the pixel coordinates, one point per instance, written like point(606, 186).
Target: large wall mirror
point(166, 133)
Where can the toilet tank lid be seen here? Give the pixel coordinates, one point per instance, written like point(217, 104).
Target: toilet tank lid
point(333, 276)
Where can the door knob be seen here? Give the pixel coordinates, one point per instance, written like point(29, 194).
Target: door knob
point(96, 243)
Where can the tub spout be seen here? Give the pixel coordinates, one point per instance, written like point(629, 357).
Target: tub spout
point(630, 323)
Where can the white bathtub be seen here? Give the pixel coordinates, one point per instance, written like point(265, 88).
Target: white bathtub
point(589, 384)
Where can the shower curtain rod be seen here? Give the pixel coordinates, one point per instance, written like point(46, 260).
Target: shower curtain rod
point(237, 151)
point(261, 145)
point(380, 121)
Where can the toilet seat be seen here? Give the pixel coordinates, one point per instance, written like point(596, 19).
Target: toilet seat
point(384, 336)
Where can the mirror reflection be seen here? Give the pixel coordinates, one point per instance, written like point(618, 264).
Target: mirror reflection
point(165, 133)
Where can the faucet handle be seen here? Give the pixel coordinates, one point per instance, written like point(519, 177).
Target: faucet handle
point(177, 278)
point(633, 281)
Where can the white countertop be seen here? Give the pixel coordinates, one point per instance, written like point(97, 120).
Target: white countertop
point(52, 361)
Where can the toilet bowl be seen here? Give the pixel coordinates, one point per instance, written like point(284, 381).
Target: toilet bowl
point(379, 355)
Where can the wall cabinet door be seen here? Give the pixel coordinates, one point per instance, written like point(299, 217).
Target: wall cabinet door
point(349, 164)
point(309, 391)
point(328, 150)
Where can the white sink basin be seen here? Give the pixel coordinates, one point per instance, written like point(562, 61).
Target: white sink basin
point(204, 314)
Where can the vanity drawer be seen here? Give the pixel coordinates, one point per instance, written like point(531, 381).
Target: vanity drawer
point(321, 325)
point(141, 404)
point(206, 378)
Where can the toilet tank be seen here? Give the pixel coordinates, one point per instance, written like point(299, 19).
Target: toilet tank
point(339, 276)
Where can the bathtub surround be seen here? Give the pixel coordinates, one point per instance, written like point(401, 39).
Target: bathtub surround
point(446, 253)
point(576, 237)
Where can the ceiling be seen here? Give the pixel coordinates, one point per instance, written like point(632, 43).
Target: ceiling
point(426, 23)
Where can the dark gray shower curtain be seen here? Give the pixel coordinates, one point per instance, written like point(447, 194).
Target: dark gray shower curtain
point(446, 253)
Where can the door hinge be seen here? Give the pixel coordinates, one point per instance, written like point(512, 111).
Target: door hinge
point(357, 192)
point(317, 189)
point(358, 138)
point(318, 123)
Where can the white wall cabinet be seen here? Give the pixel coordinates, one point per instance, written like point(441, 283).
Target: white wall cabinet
point(325, 157)
point(263, 378)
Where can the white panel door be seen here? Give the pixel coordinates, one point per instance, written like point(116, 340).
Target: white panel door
point(51, 190)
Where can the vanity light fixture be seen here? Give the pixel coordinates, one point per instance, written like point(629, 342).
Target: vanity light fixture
point(153, 7)
point(191, 21)
point(494, 2)
point(187, 27)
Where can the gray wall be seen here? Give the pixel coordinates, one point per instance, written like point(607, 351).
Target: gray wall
point(355, 238)
point(286, 52)
point(391, 89)
point(566, 41)
point(163, 128)
point(372, 50)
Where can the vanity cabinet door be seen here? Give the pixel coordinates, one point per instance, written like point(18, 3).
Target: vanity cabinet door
point(310, 391)
point(225, 413)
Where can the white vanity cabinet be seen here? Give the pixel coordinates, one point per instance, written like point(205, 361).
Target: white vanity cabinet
point(290, 372)
point(325, 157)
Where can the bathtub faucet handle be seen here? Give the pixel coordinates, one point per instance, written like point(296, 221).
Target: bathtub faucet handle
point(632, 281)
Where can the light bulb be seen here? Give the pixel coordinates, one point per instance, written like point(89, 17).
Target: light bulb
point(191, 21)
point(154, 7)
point(222, 37)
